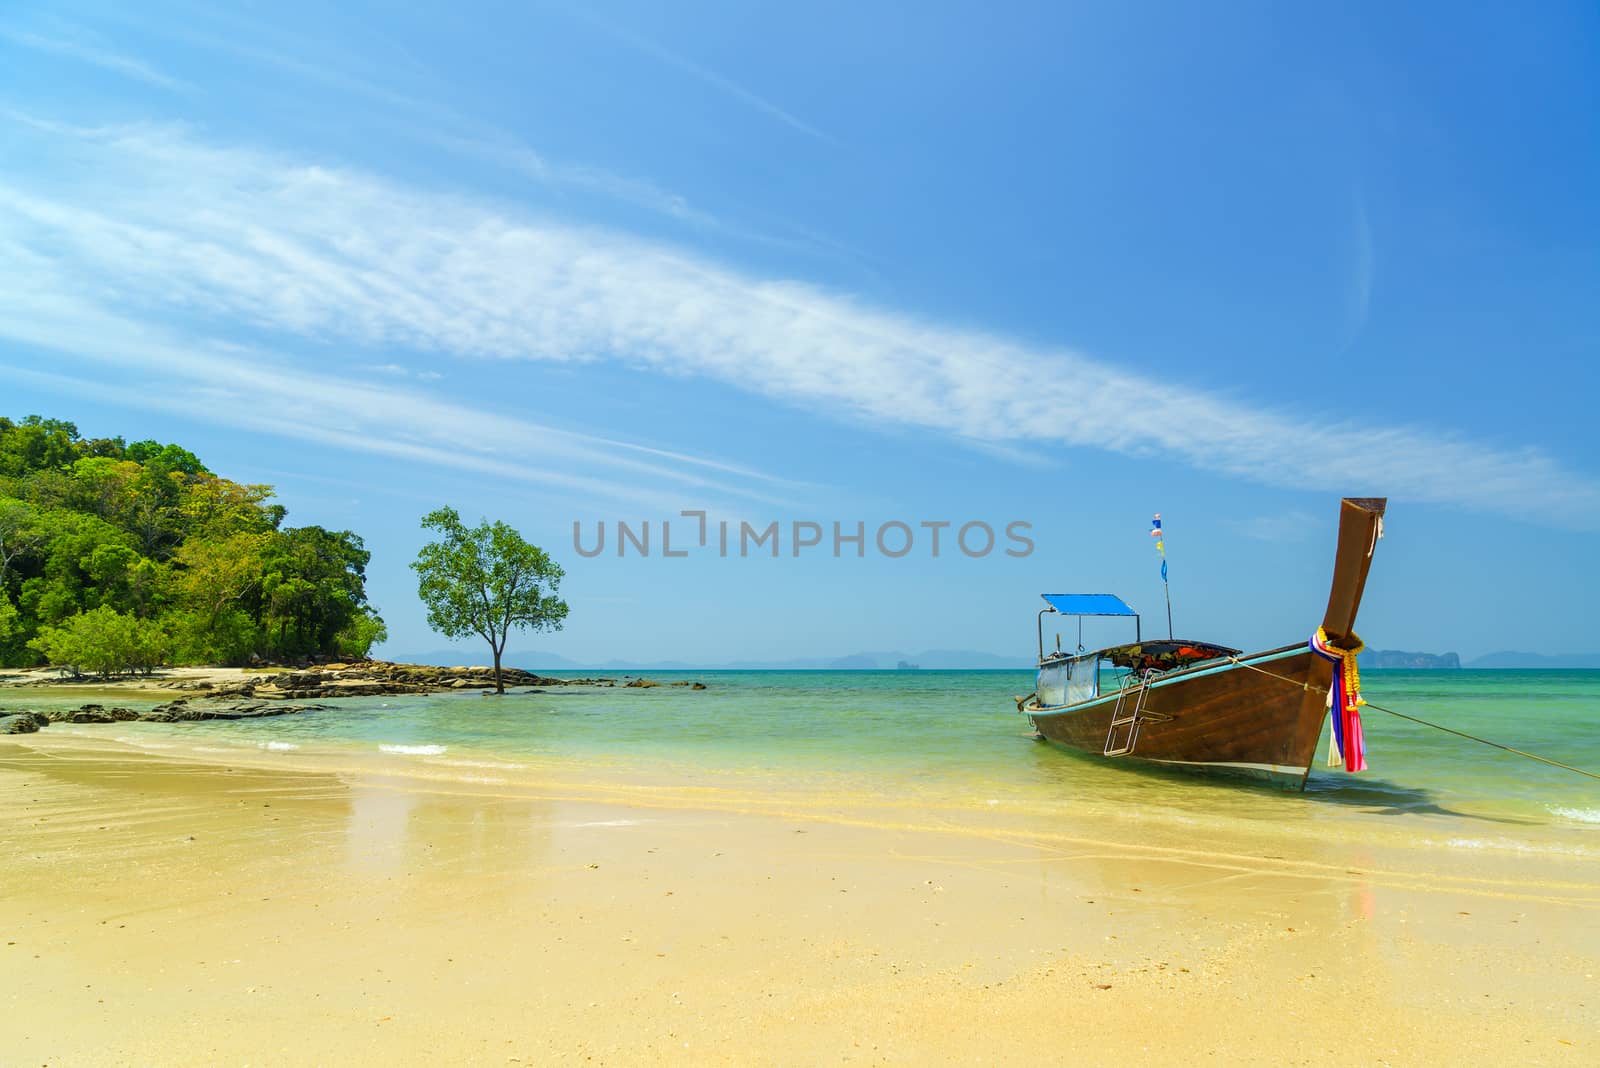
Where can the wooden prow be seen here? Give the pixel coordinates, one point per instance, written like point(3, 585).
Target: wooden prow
point(1360, 523)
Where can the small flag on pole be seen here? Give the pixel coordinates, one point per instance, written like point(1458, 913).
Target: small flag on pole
point(1161, 547)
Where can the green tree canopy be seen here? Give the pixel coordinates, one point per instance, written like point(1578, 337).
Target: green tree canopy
point(104, 641)
point(486, 580)
point(147, 532)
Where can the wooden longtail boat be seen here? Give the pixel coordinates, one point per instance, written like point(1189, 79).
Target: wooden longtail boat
point(1196, 705)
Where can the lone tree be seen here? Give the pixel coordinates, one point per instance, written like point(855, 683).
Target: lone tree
point(485, 581)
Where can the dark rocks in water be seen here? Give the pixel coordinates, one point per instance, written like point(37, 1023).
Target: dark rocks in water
point(173, 712)
point(180, 712)
point(697, 686)
point(92, 714)
point(642, 683)
point(257, 711)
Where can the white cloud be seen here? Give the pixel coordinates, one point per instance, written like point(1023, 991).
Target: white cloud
point(144, 222)
point(72, 43)
point(696, 70)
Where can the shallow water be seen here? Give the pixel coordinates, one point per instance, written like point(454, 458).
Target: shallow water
point(952, 739)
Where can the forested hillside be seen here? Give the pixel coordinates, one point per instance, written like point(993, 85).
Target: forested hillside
point(118, 556)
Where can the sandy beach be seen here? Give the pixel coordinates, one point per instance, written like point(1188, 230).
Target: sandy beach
point(193, 910)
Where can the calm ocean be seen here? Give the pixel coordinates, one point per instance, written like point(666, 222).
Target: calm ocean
point(953, 739)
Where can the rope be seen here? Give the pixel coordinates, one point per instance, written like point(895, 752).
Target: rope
point(1425, 723)
point(1485, 741)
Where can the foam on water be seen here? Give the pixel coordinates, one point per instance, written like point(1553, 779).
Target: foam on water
point(1581, 815)
point(1512, 845)
point(413, 750)
point(496, 765)
point(143, 743)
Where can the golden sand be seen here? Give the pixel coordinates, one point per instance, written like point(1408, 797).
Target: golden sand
point(164, 911)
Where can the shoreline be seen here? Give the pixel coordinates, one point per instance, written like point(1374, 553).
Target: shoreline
point(572, 911)
point(336, 679)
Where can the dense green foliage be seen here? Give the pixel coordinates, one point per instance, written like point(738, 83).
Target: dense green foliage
point(118, 557)
point(486, 580)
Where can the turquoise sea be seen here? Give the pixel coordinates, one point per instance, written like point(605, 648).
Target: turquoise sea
point(953, 738)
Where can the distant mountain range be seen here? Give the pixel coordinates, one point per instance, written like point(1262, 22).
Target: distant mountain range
point(1567, 661)
point(950, 660)
point(930, 659)
point(1395, 658)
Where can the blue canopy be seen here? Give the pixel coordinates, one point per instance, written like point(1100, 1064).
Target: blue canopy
point(1088, 604)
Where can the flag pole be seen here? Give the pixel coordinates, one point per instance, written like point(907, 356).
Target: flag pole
point(1161, 547)
point(1168, 590)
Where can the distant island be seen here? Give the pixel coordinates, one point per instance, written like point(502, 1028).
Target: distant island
point(970, 660)
point(1395, 658)
point(1379, 659)
point(930, 659)
point(1548, 661)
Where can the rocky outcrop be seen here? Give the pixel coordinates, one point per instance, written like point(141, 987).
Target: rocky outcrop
point(92, 714)
point(373, 678)
point(183, 712)
point(179, 711)
point(22, 722)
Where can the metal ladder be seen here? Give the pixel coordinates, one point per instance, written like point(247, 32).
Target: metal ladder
point(1128, 723)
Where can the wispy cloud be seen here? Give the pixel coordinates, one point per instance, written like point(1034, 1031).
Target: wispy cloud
point(419, 115)
point(399, 371)
point(1360, 299)
point(252, 388)
point(688, 66)
point(73, 43)
point(143, 223)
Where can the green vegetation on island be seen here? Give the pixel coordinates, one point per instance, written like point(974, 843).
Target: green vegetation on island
point(119, 557)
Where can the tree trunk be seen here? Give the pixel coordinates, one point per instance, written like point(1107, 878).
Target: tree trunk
point(499, 687)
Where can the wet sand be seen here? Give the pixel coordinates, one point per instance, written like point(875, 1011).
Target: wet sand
point(166, 910)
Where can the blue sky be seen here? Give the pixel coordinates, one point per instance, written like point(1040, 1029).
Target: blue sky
point(1062, 264)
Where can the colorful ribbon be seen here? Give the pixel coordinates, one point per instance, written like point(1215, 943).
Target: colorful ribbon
point(1344, 701)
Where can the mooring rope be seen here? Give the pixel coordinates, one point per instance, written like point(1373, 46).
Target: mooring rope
point(1426, 723)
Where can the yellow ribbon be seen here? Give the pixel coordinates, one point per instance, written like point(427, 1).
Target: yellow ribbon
point(1351, 674)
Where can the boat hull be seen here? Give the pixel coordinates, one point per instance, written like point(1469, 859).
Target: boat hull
point(1257, 717)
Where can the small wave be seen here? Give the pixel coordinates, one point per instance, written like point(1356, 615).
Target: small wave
point(141, 743)
point(481, 778)
point(1582, 815)
point(495, 765)
point(608, 823)
point(413, 750)
point(1511, 846)
point(211, 749)
point(276, 745)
